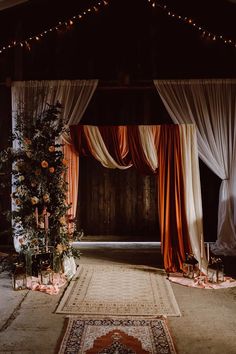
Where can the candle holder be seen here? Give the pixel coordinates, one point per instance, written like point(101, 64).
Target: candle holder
point(46, 273)
point(215, 270)
point(190, 267)
point(19, 278)
point(36, 257)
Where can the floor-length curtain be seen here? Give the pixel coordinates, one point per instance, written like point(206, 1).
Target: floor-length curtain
point(211, 105)
point(175, 240)
point(74, 96)
point(193, 200)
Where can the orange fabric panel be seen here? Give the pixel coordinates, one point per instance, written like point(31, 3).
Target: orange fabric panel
point(123, 140)
point(72, 177)
point(173, 222)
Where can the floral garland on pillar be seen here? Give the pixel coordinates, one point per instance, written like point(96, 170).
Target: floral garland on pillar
point(40, 216)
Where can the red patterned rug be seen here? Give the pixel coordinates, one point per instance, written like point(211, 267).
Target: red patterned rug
point(116, 336)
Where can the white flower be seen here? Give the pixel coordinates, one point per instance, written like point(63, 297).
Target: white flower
point(21, 178)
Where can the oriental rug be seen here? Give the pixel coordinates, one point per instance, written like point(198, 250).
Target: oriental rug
point(119, 290)
point(116, 336)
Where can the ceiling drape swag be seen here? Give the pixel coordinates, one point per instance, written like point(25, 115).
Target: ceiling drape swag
point(211, 105)
point(138, 156)
point(98, 148)
point(149, 138)
point(74, 96)
point(165, 147)
point(115, 139)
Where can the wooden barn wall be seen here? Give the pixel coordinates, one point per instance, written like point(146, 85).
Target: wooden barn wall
point(114, 202)
point(117, 202)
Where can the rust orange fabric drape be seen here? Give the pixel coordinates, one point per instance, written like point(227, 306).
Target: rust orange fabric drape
point(172, 215)
point(124, 142)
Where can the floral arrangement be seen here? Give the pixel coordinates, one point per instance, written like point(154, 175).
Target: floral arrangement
point(40, 214)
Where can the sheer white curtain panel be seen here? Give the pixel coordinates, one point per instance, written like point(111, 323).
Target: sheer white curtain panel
point(193, 198)
point(73, 95)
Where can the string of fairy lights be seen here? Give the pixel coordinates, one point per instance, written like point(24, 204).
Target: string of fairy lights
point(67, 24)
point(189, 21)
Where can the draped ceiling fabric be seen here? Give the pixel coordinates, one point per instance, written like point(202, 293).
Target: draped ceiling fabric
point(156, 150)
point(211, 105)
point(74, 96)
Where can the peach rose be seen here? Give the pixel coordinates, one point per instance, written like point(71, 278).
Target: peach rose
point(34, 200)
point(46, 198)
point(27, 141)
point(51, 148)
point(62, 220)
point(51, 169)
point(44, 164)
point(17, 201)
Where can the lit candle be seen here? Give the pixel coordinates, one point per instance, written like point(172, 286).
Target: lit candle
point(37, 216)
point(202, 246)
point(46, 221)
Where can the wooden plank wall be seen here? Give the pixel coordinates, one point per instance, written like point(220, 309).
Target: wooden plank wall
point(117, 202)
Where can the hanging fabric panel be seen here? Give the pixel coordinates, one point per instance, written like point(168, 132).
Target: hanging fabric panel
point(172, 214)
point(193, 201)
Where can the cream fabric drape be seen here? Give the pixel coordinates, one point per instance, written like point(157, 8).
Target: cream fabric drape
point(148, 144)
point(149, 136)
point(74, 96)
point(193, 200)
point(99, 150)
point(211, 105)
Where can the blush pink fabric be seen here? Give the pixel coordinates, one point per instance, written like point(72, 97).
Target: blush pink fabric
point(202, 282)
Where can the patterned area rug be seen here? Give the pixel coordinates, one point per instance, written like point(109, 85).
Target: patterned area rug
point(117, 336)
point(119, 290)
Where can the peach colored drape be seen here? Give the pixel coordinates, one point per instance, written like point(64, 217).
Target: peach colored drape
point(72, 177)
point(172, 215)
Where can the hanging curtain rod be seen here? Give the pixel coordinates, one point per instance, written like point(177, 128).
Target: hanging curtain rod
point(125, 88)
